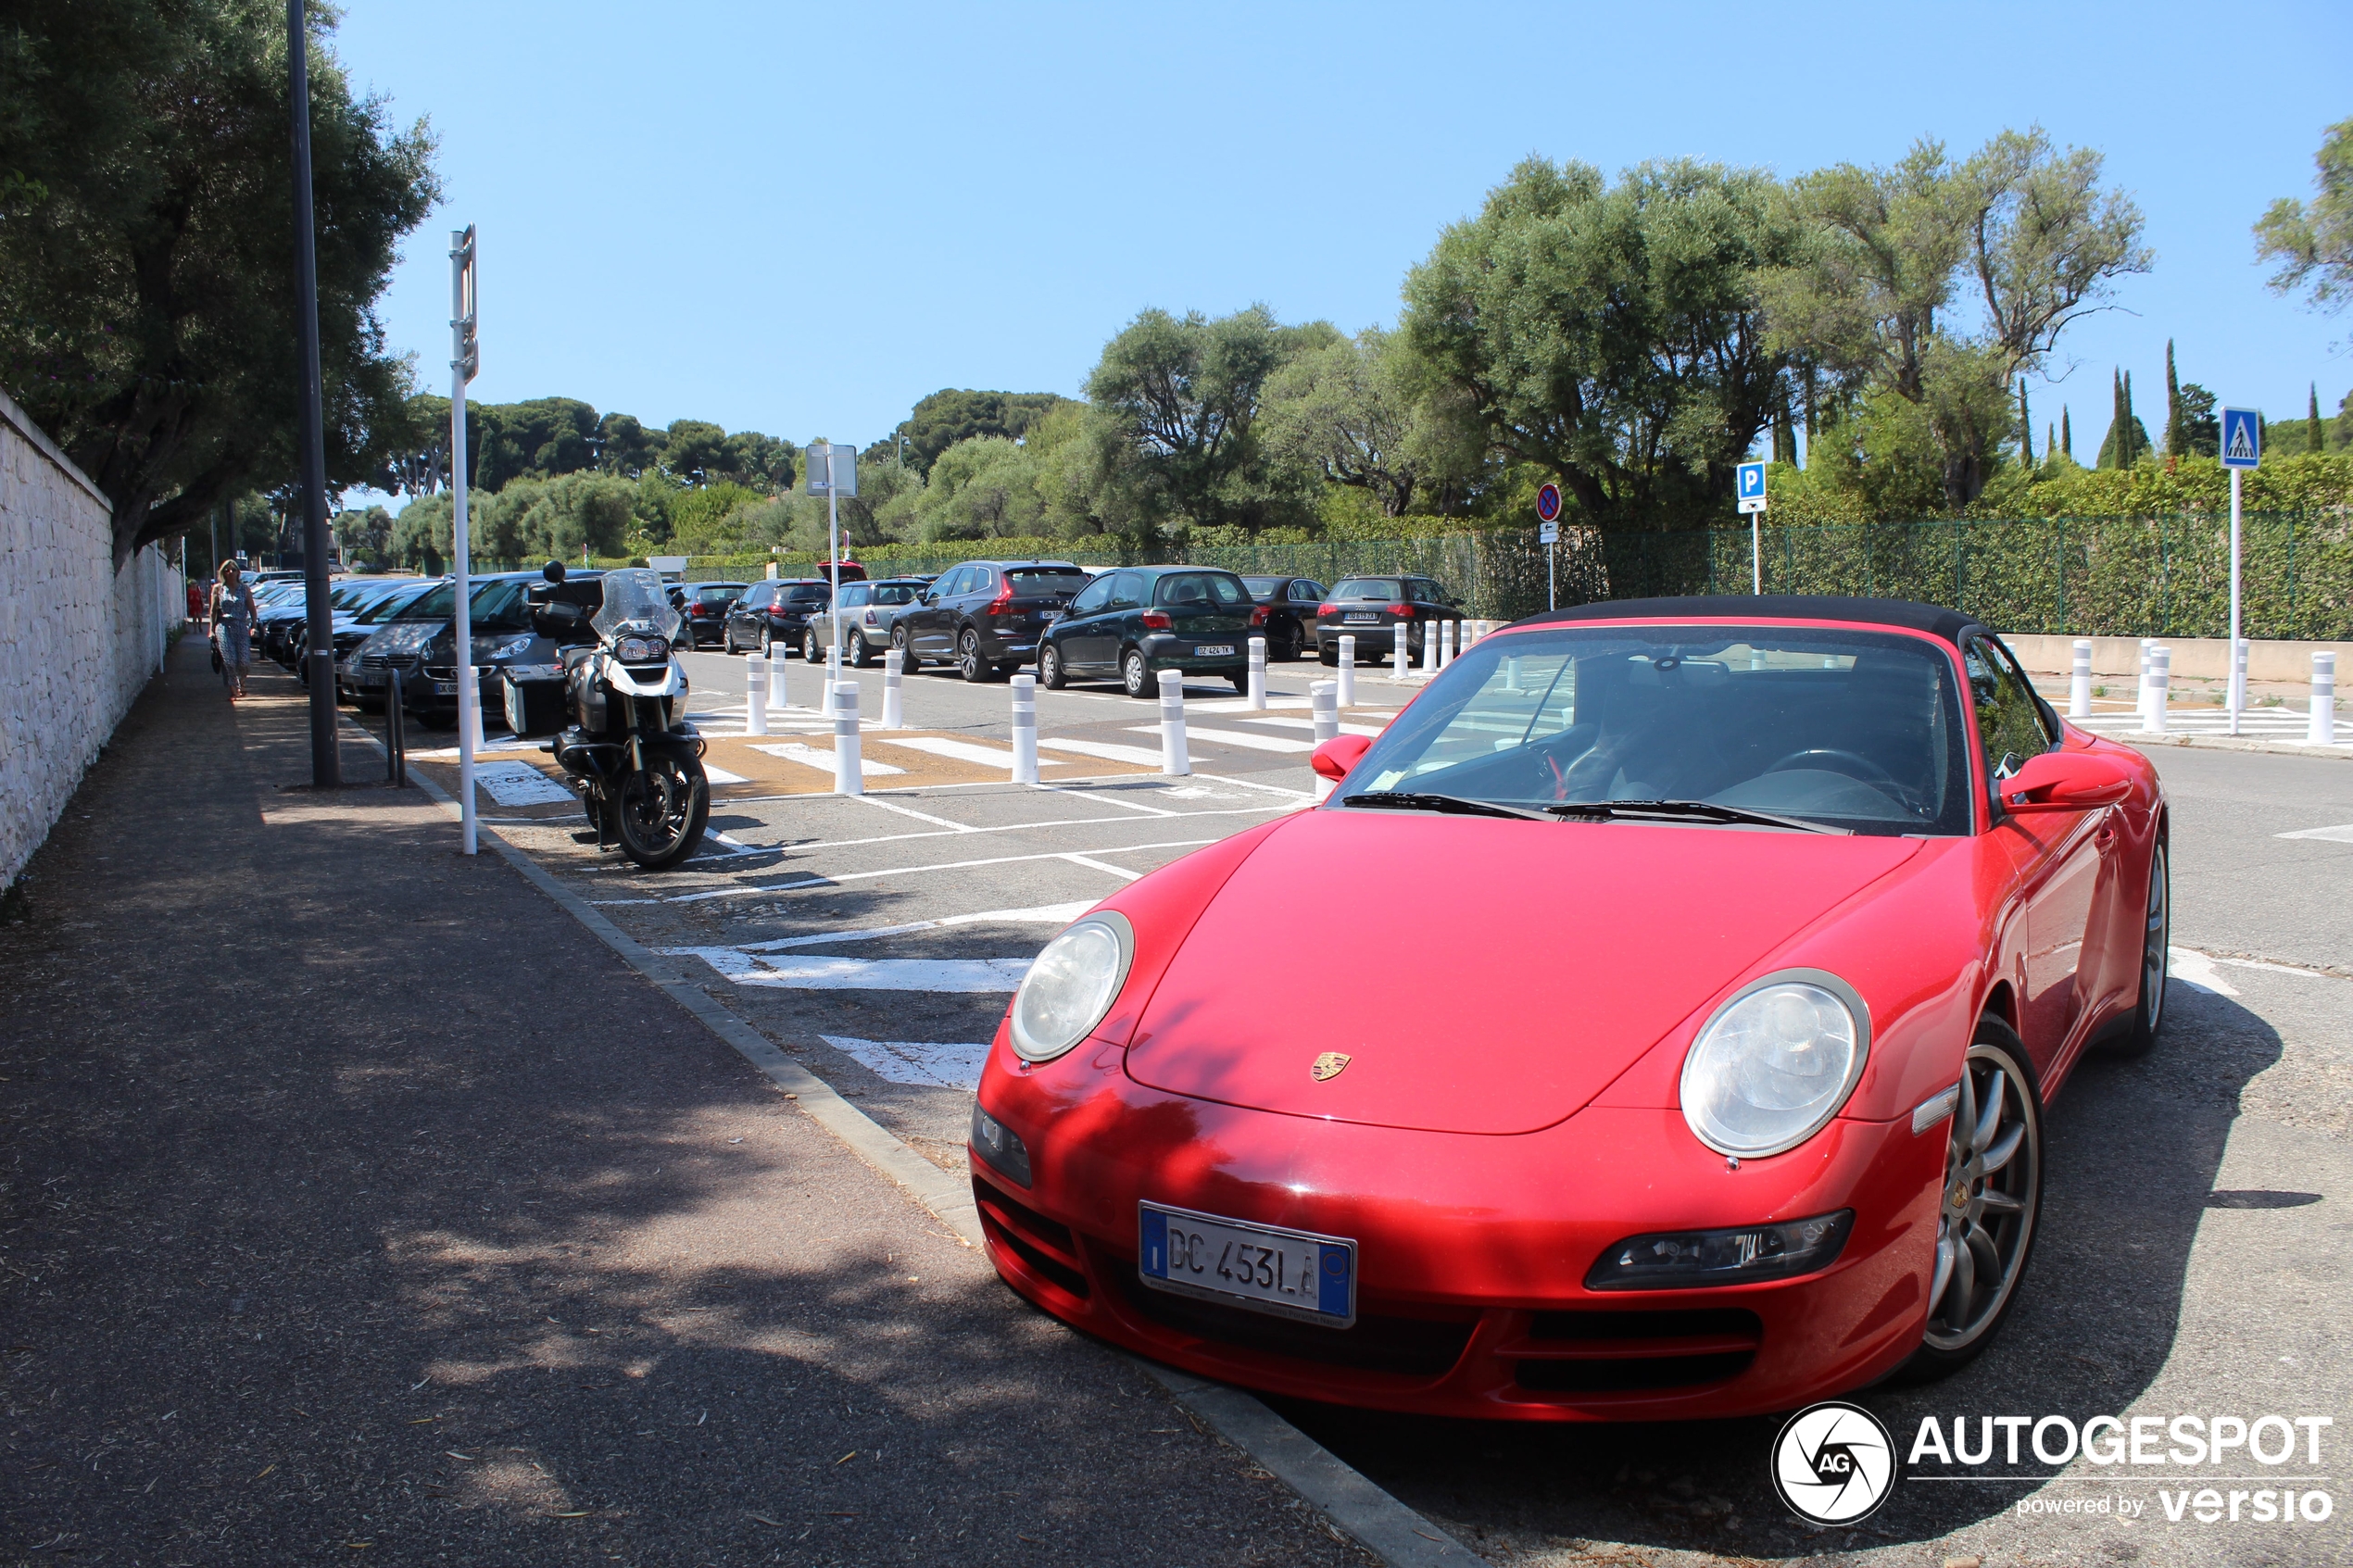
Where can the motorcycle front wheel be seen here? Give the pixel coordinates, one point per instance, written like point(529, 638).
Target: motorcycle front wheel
point(659, 813)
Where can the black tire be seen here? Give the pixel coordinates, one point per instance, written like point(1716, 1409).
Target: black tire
point(1283, 641)
point(2149, 1008)
point(969, 662)
point(659, 814)
point(907, 660)
point(1050, 668)
point(859, 654)
point(1136, 674)
point(1241, 681)
point(1330, 656)
point(810, 653)
point(727, 642)
point(370, 704)
point(1994, 1164)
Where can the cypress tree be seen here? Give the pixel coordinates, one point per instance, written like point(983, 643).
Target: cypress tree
point(2050, 442)
point(2175, 436)
point(2315, 433)
point(2026, 425)
point(2067, 434)
point(2132, 443)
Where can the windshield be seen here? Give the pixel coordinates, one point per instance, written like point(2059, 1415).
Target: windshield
point(1045, 579)
point(727, 595)
point(389, 605)
point(1261, 585)
point(1371, 588)
point(1858, 730)
point(1202, 588)
point(805, 592)
point(636, 601)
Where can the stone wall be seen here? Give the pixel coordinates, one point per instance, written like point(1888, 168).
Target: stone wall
point(78, 639)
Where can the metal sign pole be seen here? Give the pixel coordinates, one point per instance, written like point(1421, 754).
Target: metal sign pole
point(2231, 669)
point(319, 646)
point(1756, 553)
point(1552, 579)
point(461, 264)
point(833, 546)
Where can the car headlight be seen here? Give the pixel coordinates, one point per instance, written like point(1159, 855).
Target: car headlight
point(1775, 1063)
point(641, 650)
point(507, 649)
point(1071, 985)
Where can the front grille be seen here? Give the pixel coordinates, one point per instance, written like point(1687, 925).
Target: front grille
point(1621, 1352)
point(1406, 1346)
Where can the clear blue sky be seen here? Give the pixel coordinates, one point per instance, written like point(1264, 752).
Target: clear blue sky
point(803, 219)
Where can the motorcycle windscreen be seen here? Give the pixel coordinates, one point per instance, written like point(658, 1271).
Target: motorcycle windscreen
point(636, 601)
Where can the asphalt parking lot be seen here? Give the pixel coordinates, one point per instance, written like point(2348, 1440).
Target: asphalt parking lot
point(2195, 1237)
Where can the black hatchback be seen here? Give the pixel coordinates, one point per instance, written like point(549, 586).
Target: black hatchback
point(775, 611)
point(1370, 608)
point(1134, 622)
point(1290, 605)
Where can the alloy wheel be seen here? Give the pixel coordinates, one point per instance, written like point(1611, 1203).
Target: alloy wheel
point(2156, 955)
point(975, 668)
point(1991, 1194)
point(1135, 675)
point(1050, 668)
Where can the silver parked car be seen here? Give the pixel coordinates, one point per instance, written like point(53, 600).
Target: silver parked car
point(869, 610)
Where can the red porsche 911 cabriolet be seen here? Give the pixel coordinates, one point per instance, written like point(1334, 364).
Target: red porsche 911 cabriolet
point(1692, 977)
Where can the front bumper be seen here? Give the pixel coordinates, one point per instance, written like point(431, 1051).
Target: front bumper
point(1473, 1250)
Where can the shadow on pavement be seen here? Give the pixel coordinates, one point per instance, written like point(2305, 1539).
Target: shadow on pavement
point(354, 1197)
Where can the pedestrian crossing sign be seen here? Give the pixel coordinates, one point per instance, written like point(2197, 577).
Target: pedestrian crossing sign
point(2241, 438)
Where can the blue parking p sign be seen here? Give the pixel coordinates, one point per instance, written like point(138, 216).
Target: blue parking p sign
point(1749, 486)
point(2241, 438)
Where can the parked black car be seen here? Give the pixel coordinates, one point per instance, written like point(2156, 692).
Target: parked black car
point(777, 610)
point(1290, 604)
point(1366, 608)
point(352, 632)
point(1134, 622)
point(705, 605)
point(987, 616)
point(346, 602)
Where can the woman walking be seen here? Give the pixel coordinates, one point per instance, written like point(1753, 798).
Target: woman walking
point(233, 613)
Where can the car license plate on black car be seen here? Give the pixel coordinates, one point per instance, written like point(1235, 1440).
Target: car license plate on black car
point(1362, 618)
point(1212, 650)
point(1290, 1273)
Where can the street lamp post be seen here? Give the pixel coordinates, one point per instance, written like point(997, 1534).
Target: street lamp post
point(326, 765)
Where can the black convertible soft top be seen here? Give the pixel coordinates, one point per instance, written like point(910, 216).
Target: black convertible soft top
point(1937, 621)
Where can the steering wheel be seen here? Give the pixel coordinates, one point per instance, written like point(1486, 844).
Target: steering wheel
point(1821, 755)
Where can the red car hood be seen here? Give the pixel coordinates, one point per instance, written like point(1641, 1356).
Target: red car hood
point(1482, 975)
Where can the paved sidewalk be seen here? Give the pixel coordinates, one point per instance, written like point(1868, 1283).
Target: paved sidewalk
point(356, 1205)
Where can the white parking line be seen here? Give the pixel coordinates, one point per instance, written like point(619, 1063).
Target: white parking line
point(1044, 914)
point(2332, 836)
point(1310, 724)
point(810, 757)
point(1120, 871)
point(921, 1062)
point(1142, 756)
point(961, 750)
point(938, 866)
point(860, 974)
point(1233, 738)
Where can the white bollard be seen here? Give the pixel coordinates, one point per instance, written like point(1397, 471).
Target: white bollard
point(1257, 696)
point(1451, 631)
point(2078, 681)
point(833, 679)
point(2141, 691)
point(1323, 702)
point(2160, 678)
point(1430, 642)
point(849, 772)
point(2237, 698)
point(2321, 731)
point(473, 678)
point(1174, 762)
point(1025, 729)
point(1347, 671)
point(756, 695)
point(1404, 656)
point(776, 676)
point(894, 716)
point(1511, 674)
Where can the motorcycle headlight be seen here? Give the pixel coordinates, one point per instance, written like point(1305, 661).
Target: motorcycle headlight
point(642, 650)
point(1071, 985)
point(1775, 1063)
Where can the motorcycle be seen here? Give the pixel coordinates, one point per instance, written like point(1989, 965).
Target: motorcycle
point(629, 753)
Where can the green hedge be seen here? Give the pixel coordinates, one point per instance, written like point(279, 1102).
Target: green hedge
point(2118, 576)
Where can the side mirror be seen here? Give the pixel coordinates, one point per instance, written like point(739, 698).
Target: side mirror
point(1335, 757)
point(553, 572)
point(2066, 780)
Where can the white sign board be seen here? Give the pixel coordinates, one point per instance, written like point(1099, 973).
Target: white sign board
point(843, 466)
point(1549, 533)
point(669, 566)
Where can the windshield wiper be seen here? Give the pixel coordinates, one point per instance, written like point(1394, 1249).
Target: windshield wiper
point(1409, 801)
point(1602, 810)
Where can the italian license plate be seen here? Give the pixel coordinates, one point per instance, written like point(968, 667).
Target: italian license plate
point(1362, 618)
point(1212, 650)
point(1290, 1273)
